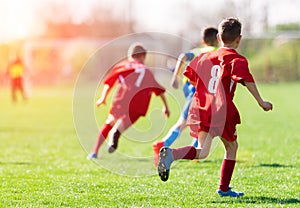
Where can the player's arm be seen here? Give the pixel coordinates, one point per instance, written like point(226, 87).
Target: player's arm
point(165, 108)
point(102, 99)
point(109, 82)
point(178, 69)
point(190, 71)
point(251, 86)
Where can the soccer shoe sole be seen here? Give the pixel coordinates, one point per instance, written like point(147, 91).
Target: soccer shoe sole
point(112, 148)
point(163, 172)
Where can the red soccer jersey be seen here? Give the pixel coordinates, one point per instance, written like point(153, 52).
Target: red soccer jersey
point(215, 75)
point(136, 85)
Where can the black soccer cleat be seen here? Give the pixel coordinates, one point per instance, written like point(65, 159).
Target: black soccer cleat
point(165, 162)
point(112, 148)
point(115, 142)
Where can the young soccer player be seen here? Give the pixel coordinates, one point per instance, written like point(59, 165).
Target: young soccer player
point(212, 112)
point(16, 70)
point(209, 43)
point(136, 85)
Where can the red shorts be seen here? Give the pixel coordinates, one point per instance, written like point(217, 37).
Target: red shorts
point(128, 118)
point(227, 132)
point(17, 84)
point(219, 123)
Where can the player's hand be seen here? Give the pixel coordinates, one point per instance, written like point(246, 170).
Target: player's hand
point(266, 106)
point(166, 112)
point(100, 102)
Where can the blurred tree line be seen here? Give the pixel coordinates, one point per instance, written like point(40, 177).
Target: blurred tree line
point(62, 50)
point(275, 57)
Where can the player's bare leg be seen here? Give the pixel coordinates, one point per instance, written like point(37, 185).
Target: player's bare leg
point(168, 155)
point(120, 126)
point(204, 144)
point(102, 135)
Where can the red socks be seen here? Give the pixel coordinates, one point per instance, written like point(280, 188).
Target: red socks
point(156, 146)
point(187, 152)
point(226, 173)
point(102, 136)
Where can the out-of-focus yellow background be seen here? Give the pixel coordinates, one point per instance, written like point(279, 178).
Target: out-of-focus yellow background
point(55, 38)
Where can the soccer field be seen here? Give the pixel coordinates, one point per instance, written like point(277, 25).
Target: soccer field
point(43, 162)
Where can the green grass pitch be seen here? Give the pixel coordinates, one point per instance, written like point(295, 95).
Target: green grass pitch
point(43, 164)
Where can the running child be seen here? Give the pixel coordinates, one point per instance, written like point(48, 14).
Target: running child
point(136, 86)
point(209, 43)
point(212, 112)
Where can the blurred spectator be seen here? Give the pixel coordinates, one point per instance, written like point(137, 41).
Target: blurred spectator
point(15, 71)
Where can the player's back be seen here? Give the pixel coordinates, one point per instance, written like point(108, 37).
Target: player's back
point(136, 85)
point(216, 70)
point(212, 74)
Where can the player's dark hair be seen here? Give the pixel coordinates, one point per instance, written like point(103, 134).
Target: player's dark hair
point(136, 50)
point(210, 36)
point(229, 29)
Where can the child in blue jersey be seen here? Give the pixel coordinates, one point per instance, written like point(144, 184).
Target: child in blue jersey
point(210, 43)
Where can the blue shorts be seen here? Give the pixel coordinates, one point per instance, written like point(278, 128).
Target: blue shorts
point(188, 91)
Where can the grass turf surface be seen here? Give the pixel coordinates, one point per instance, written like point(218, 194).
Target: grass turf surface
point(42, 162)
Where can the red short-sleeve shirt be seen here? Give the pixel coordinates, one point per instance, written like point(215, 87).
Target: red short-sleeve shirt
point(136, 85)
point(215, 75)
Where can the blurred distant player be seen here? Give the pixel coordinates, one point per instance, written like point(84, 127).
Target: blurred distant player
point(212, 112)
point(209, 43)
point(15, 71)
point(136, 85)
